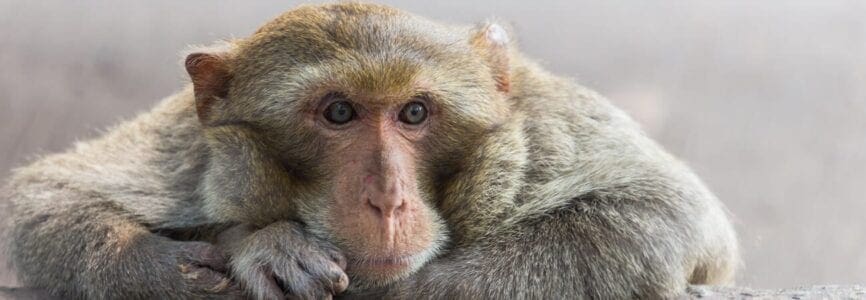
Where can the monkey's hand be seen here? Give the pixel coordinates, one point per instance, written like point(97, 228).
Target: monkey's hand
point(283, 261)
point(200, 267)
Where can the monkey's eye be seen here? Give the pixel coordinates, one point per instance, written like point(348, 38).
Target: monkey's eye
point(340, 112)
point(413, 113)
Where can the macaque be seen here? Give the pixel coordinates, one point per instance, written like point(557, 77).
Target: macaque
point(355, 150)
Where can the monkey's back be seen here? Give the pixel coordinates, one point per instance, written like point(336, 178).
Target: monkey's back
point(151, 164)
point(582, 148)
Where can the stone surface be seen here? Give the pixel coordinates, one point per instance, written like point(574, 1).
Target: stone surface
point(694, 292)
point(23, 294)
point(813, 292)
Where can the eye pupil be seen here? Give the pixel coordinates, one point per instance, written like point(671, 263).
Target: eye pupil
point(413, 113)
point(339, 112)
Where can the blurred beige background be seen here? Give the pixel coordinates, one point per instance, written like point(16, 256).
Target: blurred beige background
point(765, 99)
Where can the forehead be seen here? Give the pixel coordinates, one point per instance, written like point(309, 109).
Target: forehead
point(332, 29)
point(365, 48)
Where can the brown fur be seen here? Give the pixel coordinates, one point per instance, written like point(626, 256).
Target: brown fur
point(535, 187)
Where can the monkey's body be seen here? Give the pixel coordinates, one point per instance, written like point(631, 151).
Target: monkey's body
point(565, 197)
point(604, 213)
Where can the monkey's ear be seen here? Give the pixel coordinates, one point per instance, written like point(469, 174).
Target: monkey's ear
point(491, 41)
point(210, 80)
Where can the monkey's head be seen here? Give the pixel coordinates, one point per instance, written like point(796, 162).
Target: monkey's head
point(351, 119)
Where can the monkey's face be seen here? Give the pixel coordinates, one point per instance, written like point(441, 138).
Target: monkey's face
point(356, 132)
point(377, 211)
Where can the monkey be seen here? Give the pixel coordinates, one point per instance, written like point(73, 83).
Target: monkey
point(356, 150)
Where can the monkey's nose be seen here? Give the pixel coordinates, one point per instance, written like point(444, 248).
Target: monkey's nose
point(386, 206)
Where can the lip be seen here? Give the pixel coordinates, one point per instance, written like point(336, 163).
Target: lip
point(383, 263)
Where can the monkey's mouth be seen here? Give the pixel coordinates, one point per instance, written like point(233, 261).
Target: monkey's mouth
point(383, 262)
point(376, 270)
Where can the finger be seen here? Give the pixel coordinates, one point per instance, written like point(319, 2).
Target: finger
point(337, 257)
point(332, 252)
point(233, 291)
point(328, 274)
point(334, 278)
point(340, 284)
point(259, 283)
point(304, 287)
point(205, 255)
point(205, 279)
point(290, 276)
point(299, 283)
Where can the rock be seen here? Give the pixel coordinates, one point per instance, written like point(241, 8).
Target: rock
point(693, 292)
point(813, 292)
point(20, 293)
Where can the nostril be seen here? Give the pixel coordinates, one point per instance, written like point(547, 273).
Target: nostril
point(386, 207)
point(374, 207)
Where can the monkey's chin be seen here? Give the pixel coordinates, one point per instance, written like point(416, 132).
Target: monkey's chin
point(378, 271)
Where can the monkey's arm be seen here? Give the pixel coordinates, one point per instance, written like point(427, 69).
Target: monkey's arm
point(608, 244)
point(80, 245)
point(96, 222)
